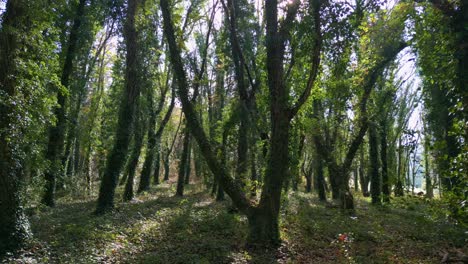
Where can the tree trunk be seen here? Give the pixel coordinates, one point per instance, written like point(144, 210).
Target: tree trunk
point(363, 179)
point(14, 225)
point(383, 159)
point(197, 163)
point(334, 176)
point(166, 168)
point(57, 132)
point(374, 166)
point(320, 180)
point(220, 192)
point(157, 161)
point(399, 183)
point(263, 227)
point(242, 143)
point(253, 172)
point(214, 186)
point(117, 155)
point(77, 158)
point(182, 163)
point(356, 179)
point(188, 163)
point(169, 150)
point(133, 159)
point(427, 174)
point(413, 177)
point(308, 177)
point(151, 147)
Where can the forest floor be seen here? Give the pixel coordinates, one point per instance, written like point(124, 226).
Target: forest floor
point(161, 228)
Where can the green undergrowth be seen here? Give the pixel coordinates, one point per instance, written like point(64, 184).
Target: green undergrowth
point(160, 228)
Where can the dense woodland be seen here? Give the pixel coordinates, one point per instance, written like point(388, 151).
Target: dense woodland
point(233, 131)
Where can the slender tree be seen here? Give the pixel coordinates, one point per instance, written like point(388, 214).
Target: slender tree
point(375, 178)
point(57, 132)
point(117, 155)
point(146, 177)
point(138, 136)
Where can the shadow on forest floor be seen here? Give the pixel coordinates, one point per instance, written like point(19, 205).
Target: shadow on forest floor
point(160, 228)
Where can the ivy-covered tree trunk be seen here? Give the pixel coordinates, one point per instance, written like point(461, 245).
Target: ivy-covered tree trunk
point(182, 163)
point(152, 141)
point(320, 179)
point(308, 175)
point(384, 160)
point(334, 182)
point(375, 179)
point(188, 164)
point(56, 141)
point(166, 157)
point(263, 222)
point(363, 178)
point(77, 158)
point(220, 191)
point(166, 166)
point(218, 106)
point(400, 170)
point(157, 161)
point(253, 171)
point(197, 165)
point(133, 159)
point(294, 164)
point(239, 70)
point(427, 169)
point(117, 155)
point(14, 226)
point(154, 138)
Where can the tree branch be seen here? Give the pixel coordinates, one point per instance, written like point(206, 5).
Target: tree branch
point(230, 187)
point(315, 62)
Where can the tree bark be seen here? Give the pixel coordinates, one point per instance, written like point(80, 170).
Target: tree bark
point(232, 10)
point(152, 140)
point(427, 170)
point(363, 178)
point(188, 163)
point(383, 159)
point(253, 171)
point(157, 161)
point(133, 159)
point(308, 172)
point(375, 180)
point(166, 168)
point(117, 155)
point(57, 132)
point(14, 225)
point(399, 183)
point(166, 157)
point(182, 163)
point(320, 179)
point(146, 177)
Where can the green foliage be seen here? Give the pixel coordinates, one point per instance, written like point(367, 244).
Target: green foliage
point(436, 43)
point(36, 67)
